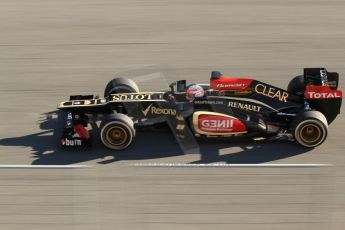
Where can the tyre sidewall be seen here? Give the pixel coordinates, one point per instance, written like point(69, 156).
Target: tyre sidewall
point(304, 120)
point(122, 125)
point(297, 85)
point(121, 120)
point(121, 85)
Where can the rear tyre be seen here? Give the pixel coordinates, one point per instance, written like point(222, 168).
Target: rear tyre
point(117, 132)
point(297, 85)
point(310, 128)
point(120, 85)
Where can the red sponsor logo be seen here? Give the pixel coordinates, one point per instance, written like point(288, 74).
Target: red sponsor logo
point(322, 92)
point(230, 83)
point(234, 85)
point(316, 95)
point(221, 124)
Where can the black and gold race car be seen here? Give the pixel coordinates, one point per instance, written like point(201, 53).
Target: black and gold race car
point(225, 107)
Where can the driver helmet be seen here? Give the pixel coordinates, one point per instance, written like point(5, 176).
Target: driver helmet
point(194, 91)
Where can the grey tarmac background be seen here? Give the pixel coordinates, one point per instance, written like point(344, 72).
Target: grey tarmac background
point(51, 49)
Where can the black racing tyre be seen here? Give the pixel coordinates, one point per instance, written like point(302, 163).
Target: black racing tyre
point(310, 128)
point(117, 132)
point(297, 85)
point(120, 85)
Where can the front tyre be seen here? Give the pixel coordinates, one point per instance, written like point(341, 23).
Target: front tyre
point(310, 128)
point(118, 132)
point(120, 85)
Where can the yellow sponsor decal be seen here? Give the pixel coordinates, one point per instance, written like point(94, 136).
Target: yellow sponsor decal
point(158, 111)
point(244, 106)
point(271, 92)
point(132, 97)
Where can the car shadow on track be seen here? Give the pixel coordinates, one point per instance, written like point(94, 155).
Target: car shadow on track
point(147, 145)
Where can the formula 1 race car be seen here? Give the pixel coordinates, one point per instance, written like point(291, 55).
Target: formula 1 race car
point(224, 108)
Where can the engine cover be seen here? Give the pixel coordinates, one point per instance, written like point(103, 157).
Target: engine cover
point(217, 124)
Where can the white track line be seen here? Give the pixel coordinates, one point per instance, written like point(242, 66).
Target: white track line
point(42, 166)
point(183, 165)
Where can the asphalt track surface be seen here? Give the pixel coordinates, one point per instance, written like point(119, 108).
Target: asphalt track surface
point(51, 49)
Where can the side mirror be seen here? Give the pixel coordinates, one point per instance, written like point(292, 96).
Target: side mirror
point(172, 86)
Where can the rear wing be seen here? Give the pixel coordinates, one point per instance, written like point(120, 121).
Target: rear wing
point(321, 77)
point(322, 91)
